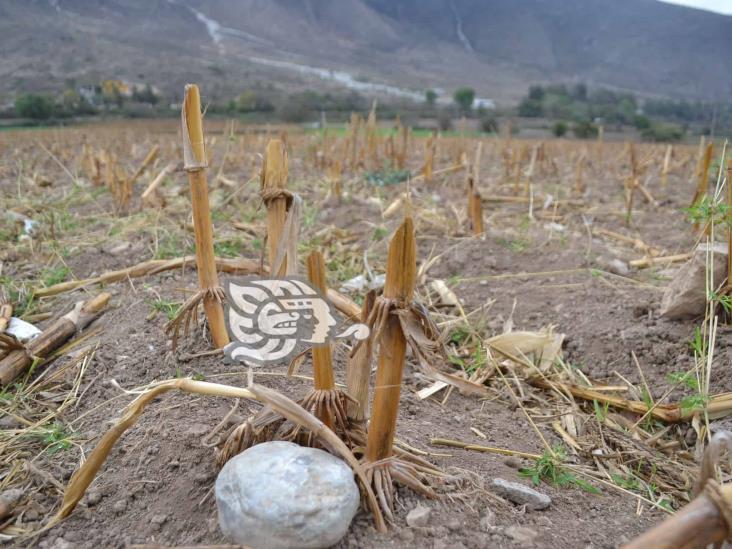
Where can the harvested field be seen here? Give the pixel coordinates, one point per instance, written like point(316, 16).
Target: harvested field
point(568, 364)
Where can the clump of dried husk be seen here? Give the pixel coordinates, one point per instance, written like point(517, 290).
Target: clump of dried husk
point(275, 401)
point(20, 357)
point(707, 520)
point(211, 295)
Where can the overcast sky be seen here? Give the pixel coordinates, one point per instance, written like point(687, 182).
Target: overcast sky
point(721, 6)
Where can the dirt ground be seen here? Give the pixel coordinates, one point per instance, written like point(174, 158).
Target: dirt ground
point(156, 486)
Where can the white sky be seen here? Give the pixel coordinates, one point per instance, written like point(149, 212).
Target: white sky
point(721, 6)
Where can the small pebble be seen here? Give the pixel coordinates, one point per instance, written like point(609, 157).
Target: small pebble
point(120, 506)
point(419, 517)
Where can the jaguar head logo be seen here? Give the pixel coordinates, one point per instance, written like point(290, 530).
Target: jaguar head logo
point(269, 319)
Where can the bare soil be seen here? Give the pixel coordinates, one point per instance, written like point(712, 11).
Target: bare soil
point(156, 486)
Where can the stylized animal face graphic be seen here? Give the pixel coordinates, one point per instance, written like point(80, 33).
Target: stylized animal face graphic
point(268, 318)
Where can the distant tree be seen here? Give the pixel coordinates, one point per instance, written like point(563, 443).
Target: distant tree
point(641, 122)
point(530, 108)
point(145, 95)
point(251, 101)
point(662, 132)
point(579, 92)
point(430, 97)
point(488, 123)
point(37, 107)
point(444, 121)
point(559, 129)
point(464, 98)
point(112, 93)
point(536, 93)
point(585, 130)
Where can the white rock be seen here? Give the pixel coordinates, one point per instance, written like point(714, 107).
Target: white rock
point(279, 495)
point(685, 296)
point(419, 517)
point(22, 330)
point(521, 494)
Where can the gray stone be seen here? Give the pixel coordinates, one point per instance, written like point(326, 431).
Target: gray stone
point(685, 296)
point(278, 495)
point(419, 517)
point(119, 506)
point(521, 494)
point(521, 534)
point(617, 266)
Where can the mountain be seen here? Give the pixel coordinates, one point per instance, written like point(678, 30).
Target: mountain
point(498, 47)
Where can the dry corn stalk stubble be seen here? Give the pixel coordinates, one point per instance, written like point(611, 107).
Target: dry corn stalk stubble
point(20, 358)
point(383, 467)
point(210, 294)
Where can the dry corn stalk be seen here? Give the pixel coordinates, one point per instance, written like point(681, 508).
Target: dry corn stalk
point(210, 293)
point(707, 520)
point(703, 173)
point(18, 360)
point(151, 197)
point(84, 476)
point(729, 228)
point(430, 149)
point(372, 137)
point(666, 166)
point(281, 205)
point(6, 311)
point(149, 159)
point(154, 266)
point(475, 203)
point(718, 406)
point(327, 403)
point(358, 372)
point(382, 467)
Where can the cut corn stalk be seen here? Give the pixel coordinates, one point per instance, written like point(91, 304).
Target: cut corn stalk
point(211, 294)
point(19, 360)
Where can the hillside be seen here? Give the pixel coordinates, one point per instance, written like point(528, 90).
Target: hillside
point(496, 46)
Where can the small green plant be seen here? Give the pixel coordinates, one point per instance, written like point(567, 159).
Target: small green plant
point(631, 482)
point(459, 334)
point(380, 233)
point(601, 410)
point(548, 468)
point(706, 210)
point(55, 275)
point(55, 437)
point(698, 344)
point(696, 401)
point(168, 247)
point(386, 177)
point(170, 308)
point(517, 245)
point(228, 248)
point(20, 296)
point(472, 363)
point(724, 300)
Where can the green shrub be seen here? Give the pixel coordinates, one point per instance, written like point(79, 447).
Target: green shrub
point(37, 107)
point(559, 129)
